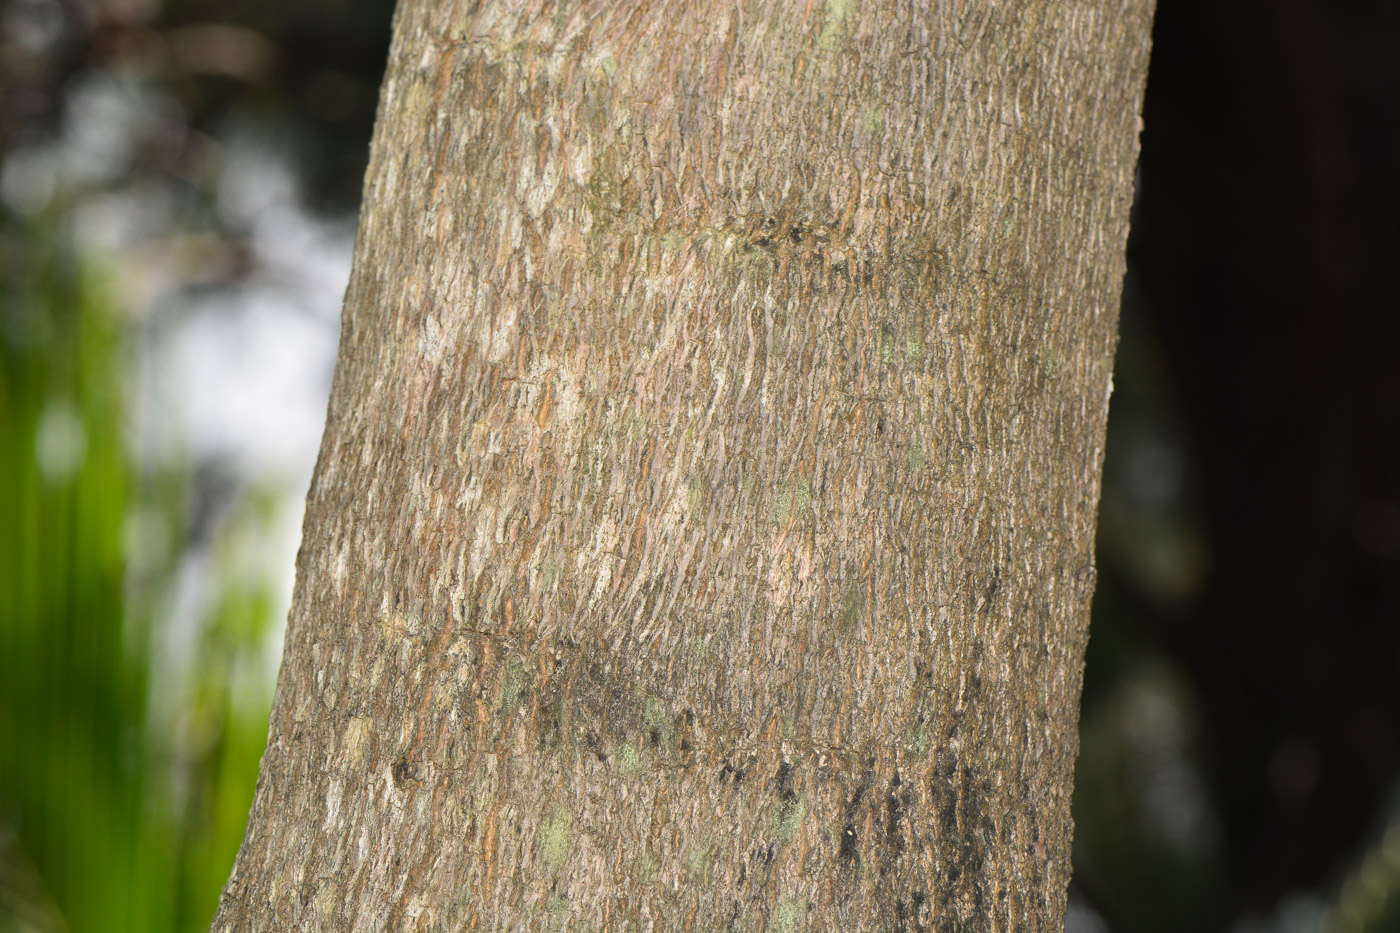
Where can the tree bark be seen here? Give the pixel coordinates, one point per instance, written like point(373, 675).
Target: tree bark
point(702, 532)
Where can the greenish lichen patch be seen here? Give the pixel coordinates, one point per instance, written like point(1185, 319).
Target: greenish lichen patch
point(549, 572)
point(660, 731)
point(838, 10)
point(646, 866)
point(697, 648)
point(515, 683)
point(628, 759)
point(917, 459)
point(902, 343)
point(914, 345)
point(872, 119)
point(889, 346)
point(673, 241)
point(787, 821)
point(788, 916)
point(916, 740)
point(556, 837)
point(834, 28)
point(558, 909)
point(852, 606)
point(793, 501)
point(698, 859)
point(696, 491)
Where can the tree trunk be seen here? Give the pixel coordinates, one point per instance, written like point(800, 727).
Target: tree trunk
point(702, 533)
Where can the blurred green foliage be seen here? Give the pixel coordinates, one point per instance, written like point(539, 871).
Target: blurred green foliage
point(72, 747)
point(113, 816)
point(137, 608)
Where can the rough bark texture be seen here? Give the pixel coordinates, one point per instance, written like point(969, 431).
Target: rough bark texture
point(702, 534)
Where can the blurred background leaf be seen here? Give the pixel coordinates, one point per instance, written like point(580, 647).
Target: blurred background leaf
point(178, 184)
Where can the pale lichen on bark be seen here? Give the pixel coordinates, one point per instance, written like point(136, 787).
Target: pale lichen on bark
point(702, 534)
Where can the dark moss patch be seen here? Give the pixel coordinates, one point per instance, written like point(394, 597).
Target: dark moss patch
point(961, 797)
point(852, 607)
point(849, 849)
point(791, 809)
point(784, 781)
point(896, 804)
point(732, 772)
point(403, 771)
point(555, 727)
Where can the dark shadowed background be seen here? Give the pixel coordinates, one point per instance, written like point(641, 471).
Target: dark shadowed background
point(178, 187)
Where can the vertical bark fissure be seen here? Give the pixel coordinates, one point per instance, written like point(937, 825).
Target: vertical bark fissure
point(702, 534)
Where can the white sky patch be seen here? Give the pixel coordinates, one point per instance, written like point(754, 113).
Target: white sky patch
point(246, 375)
point(228, 379)
point(240, 375)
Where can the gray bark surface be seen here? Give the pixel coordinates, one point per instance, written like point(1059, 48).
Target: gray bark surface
point(702, 532)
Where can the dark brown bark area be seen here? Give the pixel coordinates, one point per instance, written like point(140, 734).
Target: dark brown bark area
point(702, 535)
